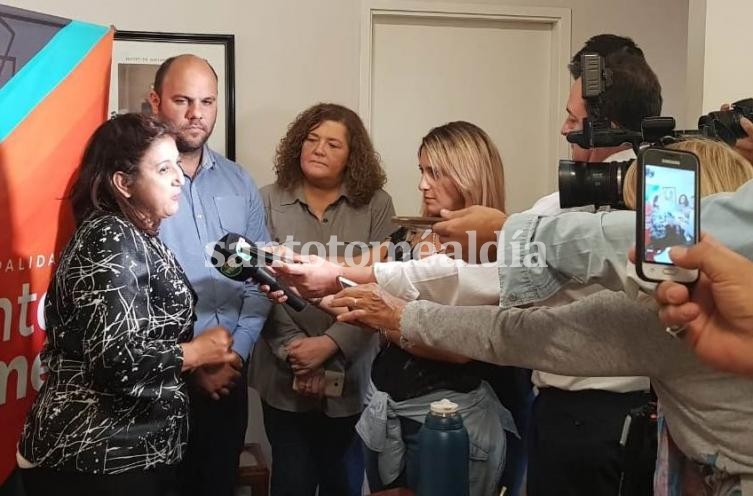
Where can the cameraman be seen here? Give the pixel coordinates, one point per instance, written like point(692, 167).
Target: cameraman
point(585, 415)
point(633, 94)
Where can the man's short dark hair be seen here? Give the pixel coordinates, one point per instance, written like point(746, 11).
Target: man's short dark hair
point(159, 76)
point(604, 45)
point(635, 92)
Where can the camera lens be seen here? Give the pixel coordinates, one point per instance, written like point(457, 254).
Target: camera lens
point(591, 183)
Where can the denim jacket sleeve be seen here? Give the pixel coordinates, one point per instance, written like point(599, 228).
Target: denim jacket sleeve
point(538, 255)
point(729, 218)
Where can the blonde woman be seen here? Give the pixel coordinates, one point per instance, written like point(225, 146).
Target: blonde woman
point(460, 166)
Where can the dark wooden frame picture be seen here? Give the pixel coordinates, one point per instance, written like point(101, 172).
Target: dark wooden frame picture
point(138, 54)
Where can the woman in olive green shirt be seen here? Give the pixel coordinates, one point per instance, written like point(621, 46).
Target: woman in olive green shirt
point(329, 184)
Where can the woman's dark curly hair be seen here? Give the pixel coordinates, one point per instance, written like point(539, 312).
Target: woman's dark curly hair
point(363, 174)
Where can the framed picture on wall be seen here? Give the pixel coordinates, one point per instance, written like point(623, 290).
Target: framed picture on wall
point(136, 57)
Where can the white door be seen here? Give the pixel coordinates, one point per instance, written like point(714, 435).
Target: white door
point(501, 68)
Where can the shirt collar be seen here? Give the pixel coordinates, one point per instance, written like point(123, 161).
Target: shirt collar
point(295, 194)
point(621, 156)
point(207, 158)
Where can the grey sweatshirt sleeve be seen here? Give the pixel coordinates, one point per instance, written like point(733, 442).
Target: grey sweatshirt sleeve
point(605, 334)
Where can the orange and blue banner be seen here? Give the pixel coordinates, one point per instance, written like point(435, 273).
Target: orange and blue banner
point(54, 77)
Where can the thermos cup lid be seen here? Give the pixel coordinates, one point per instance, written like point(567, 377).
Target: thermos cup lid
point(444, 407)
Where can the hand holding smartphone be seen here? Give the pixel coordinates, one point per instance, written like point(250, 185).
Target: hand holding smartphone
point(327, 383)
point(668, 199)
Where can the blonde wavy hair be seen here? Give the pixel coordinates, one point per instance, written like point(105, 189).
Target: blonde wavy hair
point(722, 169)
point(465, 154)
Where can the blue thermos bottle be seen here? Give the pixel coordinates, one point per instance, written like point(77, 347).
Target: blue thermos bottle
point(443, 452)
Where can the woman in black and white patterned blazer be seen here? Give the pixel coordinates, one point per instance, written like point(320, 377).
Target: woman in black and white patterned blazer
point(111, 416)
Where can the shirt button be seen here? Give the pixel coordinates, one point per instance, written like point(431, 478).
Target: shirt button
point(325, 220)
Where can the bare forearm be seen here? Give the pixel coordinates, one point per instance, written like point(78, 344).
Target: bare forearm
point(361, 275)
point(365, 259)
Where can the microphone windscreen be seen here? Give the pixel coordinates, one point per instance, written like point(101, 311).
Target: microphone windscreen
point(232, 258)
point(239, 259)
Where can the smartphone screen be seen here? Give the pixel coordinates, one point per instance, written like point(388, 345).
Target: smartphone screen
point(668, 211)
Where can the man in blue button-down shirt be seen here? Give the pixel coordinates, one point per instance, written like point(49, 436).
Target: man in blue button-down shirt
point(218, 197)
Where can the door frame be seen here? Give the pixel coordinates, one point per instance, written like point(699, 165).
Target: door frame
point(559, 18)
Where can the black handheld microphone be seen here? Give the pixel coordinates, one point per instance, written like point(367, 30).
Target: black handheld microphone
point(239, 259)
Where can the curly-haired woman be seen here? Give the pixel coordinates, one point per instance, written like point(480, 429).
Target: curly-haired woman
point(329, 184)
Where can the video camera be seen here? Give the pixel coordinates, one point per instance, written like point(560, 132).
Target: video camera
point(601, 183)
point(725, 124)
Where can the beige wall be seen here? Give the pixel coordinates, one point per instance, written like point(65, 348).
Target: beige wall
point(724, 50)
point(696, 54)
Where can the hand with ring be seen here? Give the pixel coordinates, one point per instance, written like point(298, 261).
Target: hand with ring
point(370, 305)
point(675, 330)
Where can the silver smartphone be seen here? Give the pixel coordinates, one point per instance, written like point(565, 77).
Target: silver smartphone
point(333, 382)
point(344, 282)
point(668, 212)
point(416, 222)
